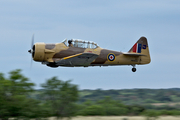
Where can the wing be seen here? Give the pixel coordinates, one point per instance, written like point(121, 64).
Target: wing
point(81, 59)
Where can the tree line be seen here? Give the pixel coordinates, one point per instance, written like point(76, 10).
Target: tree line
point(19, 100)
point(134, 96)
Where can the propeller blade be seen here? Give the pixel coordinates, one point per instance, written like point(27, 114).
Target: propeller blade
point(32, 41)
point(31, 63)
point(32, 50)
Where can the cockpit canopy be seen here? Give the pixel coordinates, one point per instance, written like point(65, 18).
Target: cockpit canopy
point(80, 43)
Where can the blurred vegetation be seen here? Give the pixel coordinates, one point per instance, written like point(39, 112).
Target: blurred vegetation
point(134, 96)
point(58, 98)
point(19, 99)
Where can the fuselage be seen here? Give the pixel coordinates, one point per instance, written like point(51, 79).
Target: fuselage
point(55, 52)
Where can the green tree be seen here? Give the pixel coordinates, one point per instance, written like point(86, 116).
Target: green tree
point(14, 91)
point(93, 110)
point(151, 114)
point(106, 106)
point(135, 109)
point(4, 97)
point(61, 95)
point(112, 107)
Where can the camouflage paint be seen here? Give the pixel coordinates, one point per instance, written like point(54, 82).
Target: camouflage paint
point(50, 53)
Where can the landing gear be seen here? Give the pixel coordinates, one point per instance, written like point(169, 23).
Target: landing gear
point(133, 69)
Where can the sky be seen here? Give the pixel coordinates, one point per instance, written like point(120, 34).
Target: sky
point(114, 25)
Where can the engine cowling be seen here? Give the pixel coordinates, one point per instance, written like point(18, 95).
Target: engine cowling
point(38, 54)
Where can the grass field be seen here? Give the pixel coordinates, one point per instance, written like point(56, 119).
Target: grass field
point(121, 118)
point(168, 104)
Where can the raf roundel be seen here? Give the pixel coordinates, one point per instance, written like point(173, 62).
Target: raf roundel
point(111, 57)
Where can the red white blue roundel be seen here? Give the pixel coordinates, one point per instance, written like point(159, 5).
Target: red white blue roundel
point(111, 57)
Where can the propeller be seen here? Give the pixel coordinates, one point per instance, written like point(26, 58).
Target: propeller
point(32, 50)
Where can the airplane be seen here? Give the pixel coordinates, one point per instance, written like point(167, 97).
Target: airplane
point(80, 53)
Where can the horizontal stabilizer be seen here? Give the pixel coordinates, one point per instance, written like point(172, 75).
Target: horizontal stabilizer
point(134, 54)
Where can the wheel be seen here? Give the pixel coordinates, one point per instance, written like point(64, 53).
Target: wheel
point(134, 69)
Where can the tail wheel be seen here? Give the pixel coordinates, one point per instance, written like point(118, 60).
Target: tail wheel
point(134, 69)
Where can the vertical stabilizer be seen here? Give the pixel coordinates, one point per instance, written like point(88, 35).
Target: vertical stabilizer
point(141, 47)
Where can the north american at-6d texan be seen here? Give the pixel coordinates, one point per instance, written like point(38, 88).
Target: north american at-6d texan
point(77, 53)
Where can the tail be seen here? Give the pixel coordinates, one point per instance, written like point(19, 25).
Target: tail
point(141, 47)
